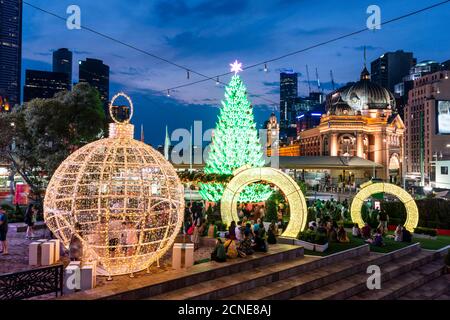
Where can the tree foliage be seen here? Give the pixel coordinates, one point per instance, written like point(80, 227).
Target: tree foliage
point(235, 143)
point(43, 132)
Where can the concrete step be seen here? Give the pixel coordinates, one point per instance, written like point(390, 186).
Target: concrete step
point(432, 290)
point(445, 296)
point(319, 277)
point(145, 285)
point(350, 286)
point(233, 284)
point(259, 277)
point(403, 283)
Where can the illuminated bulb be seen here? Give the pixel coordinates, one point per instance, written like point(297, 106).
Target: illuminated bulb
point(120, 197)
point(168, 92)
point(247, 175)
point(265, 67)
point(187, 74)
point(217, 81)
point(412, 212)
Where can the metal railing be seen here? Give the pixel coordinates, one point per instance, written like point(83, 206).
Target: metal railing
point(32, 283)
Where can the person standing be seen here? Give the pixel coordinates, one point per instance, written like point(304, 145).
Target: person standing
point(232, 231)
point(3, 232)
point(30, 219)
point(272, 233)
point(383, 219)
point(76, 245)
point(195, 238)
point(238, 231)
point(262, 212)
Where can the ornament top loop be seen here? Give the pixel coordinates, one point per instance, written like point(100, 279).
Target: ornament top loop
point(111, 104)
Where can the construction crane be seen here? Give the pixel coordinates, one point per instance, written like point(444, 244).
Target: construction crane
point(332, 79)
point(307, 77)
point(318, 81)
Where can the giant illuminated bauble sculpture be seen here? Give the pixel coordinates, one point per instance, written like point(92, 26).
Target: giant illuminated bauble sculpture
point(120, 197)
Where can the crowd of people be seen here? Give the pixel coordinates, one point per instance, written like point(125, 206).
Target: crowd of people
point(331, 208)
point(244, 238)
point(375, 238)
point(329, 213)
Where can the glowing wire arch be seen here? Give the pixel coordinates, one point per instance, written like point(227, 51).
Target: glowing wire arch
point(246, 175)
point(412, 212)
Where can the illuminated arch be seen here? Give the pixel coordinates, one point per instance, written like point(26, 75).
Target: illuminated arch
point(245, 176)
point(412, 213)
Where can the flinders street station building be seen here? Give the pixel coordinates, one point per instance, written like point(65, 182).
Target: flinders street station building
point(359, 137)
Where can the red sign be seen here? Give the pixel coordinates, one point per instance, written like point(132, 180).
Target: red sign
point(21, 196)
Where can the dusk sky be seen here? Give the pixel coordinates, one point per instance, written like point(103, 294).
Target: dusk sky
point(207, 35)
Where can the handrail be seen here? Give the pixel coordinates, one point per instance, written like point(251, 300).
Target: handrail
point(32, 283)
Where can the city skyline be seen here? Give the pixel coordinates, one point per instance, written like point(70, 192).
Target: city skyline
point(211, 52)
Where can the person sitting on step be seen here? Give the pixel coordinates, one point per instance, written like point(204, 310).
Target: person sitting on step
point(377, 239)
point(246, 245)
point(342, 235)
point(260, 239)
point(406, 235)
point(219, 253)
point(356, 231)
point(366, 231)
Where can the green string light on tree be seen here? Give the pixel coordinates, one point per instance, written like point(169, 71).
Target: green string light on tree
point(235, 143)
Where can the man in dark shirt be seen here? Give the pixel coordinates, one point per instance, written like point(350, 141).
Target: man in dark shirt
point(3, 231)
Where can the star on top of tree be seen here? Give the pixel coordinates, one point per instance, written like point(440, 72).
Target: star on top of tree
point(236, 67)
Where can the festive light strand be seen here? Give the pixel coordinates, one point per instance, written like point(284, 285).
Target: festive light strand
point(264, 63)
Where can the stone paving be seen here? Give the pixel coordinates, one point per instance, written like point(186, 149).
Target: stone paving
point(17, 260)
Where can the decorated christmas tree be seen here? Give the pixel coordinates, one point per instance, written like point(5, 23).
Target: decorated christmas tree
point(235, 143)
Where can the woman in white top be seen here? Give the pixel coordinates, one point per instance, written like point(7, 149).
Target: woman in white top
point(356, 231)
point(398, 233)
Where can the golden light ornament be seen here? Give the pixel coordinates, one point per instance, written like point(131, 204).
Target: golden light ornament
point(247, 175)
point(412, 212)
point(120, 197)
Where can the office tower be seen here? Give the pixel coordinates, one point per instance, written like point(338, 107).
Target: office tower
point(10, 50)
point(427, 122)
point(44, 84)
point(96, 73)
point(288, 94)
point(62, 62)
point(390, 68)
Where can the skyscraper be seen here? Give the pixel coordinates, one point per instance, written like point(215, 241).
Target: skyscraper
point(390, 68)
point(62, 62)
point(427, 122)
point(10, 50)
point(44, 84)
point(288, 94)
point(96, 73)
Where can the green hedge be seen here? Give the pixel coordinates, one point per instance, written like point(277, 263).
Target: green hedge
point(426, 231)
point(433, 213)
point(15, 214)
point(313, 237)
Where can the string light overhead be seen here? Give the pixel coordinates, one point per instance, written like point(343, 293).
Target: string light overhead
point(264, 63)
